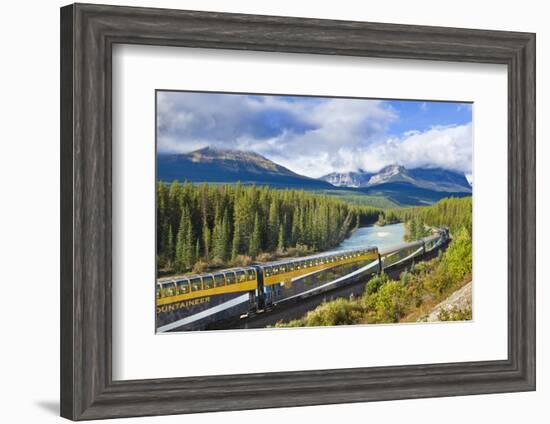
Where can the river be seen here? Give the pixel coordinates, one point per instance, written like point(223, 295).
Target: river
point(374, 236)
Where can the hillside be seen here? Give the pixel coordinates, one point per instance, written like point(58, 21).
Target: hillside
point(229, 166)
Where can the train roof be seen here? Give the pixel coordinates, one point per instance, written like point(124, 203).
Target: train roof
point(400, 246)
point(206, 274)
point(316, 256)
point(266, 264)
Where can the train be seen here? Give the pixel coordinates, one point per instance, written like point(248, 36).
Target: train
point(194, 302)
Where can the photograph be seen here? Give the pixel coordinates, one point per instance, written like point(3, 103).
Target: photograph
point(284, 211)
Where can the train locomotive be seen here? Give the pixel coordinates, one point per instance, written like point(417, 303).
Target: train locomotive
point(193, 302)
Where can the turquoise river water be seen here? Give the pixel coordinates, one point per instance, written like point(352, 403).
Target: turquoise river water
point(374, 236)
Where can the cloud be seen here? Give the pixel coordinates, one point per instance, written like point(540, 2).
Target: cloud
point(448, 147)
point(311, 136)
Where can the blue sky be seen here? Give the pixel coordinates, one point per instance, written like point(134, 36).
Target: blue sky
point(422, 115)
point(318, 135)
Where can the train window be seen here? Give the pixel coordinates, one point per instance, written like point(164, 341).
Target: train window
point(196, 284)
point(275, 270)
point(168, 289)
point(158, 293)
point(208, 282)
point(230, 278)
point(219, 280)
point(183, 286)
point(309, 263)
point(282, 268)
point(241, 276)
point(251, 275)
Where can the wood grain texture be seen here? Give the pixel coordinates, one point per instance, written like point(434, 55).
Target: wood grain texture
point(88, 33)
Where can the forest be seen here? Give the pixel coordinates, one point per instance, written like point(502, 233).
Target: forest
point(209, 226)
point(455, 213)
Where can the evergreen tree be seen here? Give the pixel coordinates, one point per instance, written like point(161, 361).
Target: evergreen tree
point(183, 242)
point(225, 237)
point(273, 225)
point(189, 251)
point(296, 224)
point(169, 251)
point(254, 248)
point(217, 240)
point(236, 242)
point(281, 239)
point(206, 240)
point(197, 250)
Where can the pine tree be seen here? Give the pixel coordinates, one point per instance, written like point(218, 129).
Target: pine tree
point(189, 252)
point(206, 240)
point(235, 246)
point(197, 250)
point(296, 223)
point(179, 259)
point(170, 245)
point(184, 243)
point(225, 234)
point(254, 248)
point(273, 225)
point(281, 239)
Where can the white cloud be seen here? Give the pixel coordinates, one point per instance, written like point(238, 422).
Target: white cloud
point(312, 136)
point(442, 147)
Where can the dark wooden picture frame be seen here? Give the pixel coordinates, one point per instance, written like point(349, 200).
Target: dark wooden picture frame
point(88, 33)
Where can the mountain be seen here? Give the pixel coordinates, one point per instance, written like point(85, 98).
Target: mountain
point(229, 166)
point(348, 179)
point(403, 186)
point(435, 179)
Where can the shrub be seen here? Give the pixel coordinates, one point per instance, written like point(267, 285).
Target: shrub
point(376, 282)
point(264, 257)
point(216, 263)
point(455, 314)
point(391, 302)
point(242, 260)
point(337, 312)
point(458, 257)
point(199, 267)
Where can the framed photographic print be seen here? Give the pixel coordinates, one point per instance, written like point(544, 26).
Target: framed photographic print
point(264, 212)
